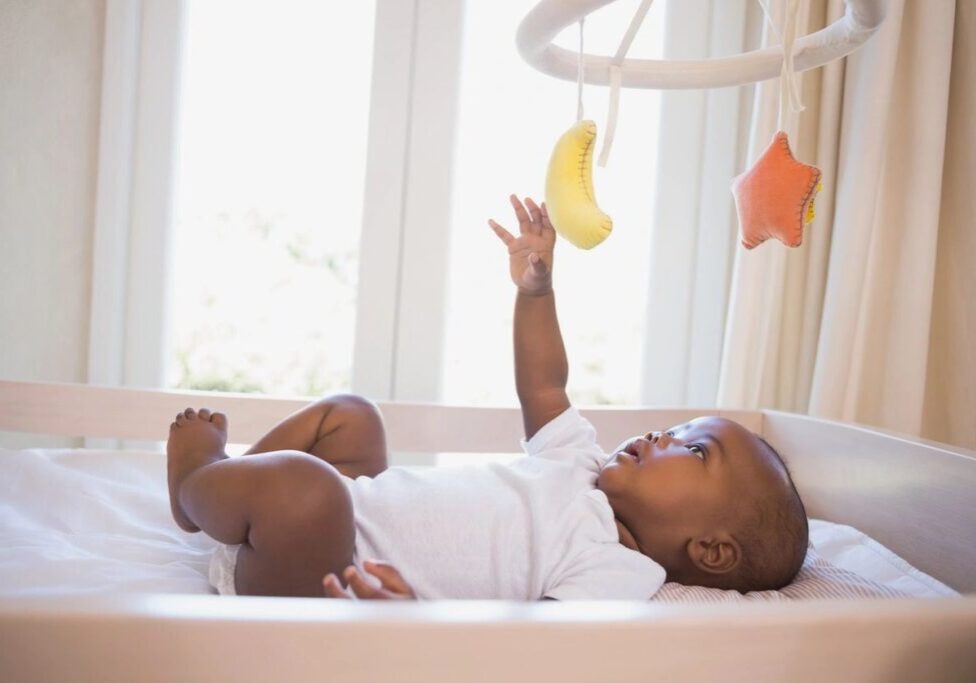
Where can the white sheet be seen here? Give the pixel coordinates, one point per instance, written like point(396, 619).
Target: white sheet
point(94, 521)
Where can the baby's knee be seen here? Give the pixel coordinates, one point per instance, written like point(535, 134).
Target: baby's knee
point(303, 530)
point(307, 490)
point(352, 408)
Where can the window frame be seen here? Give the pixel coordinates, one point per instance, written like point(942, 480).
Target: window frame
point(134, 188)
point(134, 191)
point(400, 302)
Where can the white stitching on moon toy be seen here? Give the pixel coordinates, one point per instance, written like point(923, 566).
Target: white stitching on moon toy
point(570, 199)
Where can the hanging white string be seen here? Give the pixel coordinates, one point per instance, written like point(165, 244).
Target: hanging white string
point(789, 84)
point(579, 74)
point(615, 79)
point(611, 115)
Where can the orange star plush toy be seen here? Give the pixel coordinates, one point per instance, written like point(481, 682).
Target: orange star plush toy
point(774, 198)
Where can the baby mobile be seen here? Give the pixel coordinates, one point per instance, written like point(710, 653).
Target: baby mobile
point(774, 198)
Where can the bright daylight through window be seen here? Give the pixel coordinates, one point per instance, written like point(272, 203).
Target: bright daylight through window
point(269, 195)
point(270, 192)
point(510, 117)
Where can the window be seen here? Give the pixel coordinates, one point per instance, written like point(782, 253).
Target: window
point(272, 128)
point(510, 115)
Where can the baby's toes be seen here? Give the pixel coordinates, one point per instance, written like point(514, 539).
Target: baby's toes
point(204, 414)
point(180, 419)
point(220, 420)
point(190, 414)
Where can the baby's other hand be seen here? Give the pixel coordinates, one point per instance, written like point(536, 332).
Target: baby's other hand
point(392, 585)
point(529, 254)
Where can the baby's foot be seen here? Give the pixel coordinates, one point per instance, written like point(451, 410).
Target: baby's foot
point(195, 439)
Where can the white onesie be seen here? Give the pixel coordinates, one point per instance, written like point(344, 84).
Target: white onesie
point(537, 527)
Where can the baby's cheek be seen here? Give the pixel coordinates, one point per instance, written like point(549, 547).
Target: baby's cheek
point(668, 502)
point(616, 481)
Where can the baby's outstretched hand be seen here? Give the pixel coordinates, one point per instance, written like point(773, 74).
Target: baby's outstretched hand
point(529, 254)
point(392, 587)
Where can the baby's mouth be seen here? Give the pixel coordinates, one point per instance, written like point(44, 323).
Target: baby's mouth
point(621, 457)
point(631, 450)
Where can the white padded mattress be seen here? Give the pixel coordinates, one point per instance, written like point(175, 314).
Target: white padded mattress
point(94, 521)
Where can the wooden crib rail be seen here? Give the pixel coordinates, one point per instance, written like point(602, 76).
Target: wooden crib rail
point(166, 638)
point(125, 413)
point(916, 497)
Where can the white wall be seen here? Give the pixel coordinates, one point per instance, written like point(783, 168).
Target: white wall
point(50, 82)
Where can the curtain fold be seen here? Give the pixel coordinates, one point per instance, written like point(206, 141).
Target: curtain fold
point(873, 345)
point(950, 398)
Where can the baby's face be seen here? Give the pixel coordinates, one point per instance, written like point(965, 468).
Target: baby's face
point(669, 487)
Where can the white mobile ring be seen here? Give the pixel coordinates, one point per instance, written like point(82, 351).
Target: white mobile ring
point(542, 24)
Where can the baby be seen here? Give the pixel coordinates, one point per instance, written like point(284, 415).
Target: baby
point(704, 503)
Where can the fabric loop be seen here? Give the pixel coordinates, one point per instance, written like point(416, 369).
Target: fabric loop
point(789, 84)
point(616, 76)
point(579, 75)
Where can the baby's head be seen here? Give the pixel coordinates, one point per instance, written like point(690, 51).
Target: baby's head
point(711, 502)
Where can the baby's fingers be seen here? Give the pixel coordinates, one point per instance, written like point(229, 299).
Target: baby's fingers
point(361, 587)
point(503, 234)
point(332, 588)
point(389, 577)
point(545, 218)
point(536, 213)
point(520, 213)
point(539, 267)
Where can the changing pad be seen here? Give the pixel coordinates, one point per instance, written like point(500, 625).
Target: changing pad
point(98, 521)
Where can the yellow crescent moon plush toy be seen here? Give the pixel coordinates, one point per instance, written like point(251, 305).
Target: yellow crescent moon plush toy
point(569, 188)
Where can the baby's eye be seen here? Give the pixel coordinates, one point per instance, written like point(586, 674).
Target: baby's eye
point(697, 450)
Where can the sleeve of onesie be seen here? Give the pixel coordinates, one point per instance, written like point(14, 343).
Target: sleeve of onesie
point(610, 572)
point(568, 437)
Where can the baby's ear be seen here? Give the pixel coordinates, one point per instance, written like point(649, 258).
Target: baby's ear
point(714, 554)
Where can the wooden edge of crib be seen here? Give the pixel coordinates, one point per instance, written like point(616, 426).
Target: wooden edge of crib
point(176, 637)
point(76, 410)
point(915, 497)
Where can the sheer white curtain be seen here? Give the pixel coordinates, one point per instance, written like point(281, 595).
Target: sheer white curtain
point(841, 326)
point(693, 230)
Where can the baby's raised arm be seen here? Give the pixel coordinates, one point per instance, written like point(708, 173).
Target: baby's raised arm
point(541, 369)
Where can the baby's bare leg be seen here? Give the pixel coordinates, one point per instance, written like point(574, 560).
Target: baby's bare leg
point(289, 511)
point(344, 430)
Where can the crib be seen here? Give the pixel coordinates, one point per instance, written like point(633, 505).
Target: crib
point(917, 498)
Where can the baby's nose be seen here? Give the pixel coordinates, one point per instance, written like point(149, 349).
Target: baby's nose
point(660, 439)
